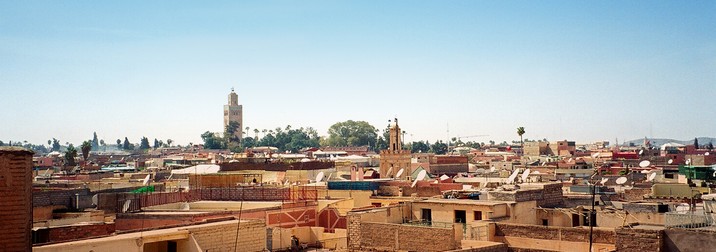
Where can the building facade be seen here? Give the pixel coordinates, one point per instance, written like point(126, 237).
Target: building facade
point(395, 158)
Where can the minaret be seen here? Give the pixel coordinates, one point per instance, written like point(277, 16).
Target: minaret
point(233, 113)
point(395, 143)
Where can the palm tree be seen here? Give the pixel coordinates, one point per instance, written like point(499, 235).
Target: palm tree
point(85, 148)
point(521, 131)
point(264, 131)
point(247, 131)
point(256, 131)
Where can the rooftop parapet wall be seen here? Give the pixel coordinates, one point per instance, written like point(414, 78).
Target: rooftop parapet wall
point(546, 195)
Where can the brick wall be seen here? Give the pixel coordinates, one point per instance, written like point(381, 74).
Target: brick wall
point(638, 240)
point(635, 194)
point(57, 197)
point(68, 233)
point(222, 236)
point(546, 195)
point(16, 198)
point(372, 236)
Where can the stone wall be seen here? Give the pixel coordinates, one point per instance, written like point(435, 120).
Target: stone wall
point(635, 194)
point(222, 236)
point(494, 248)
point(638, 240)
point(16, 198)
point(64, 198)
point(689, 240)
point(561, 238)
point(371, 236)
point(546, 195)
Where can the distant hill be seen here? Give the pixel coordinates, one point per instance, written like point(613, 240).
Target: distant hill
point(661, 141)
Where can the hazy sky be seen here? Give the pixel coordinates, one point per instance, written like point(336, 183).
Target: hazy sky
point(577, 70)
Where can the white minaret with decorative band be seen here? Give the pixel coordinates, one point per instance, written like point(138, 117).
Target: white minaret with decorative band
point(233, 112)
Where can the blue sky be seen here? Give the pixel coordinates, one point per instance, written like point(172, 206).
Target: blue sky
point(575, 70)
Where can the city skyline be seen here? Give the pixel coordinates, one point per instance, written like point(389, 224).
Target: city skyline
point(583, 72)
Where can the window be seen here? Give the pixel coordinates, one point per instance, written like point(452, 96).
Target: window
point(426, 215)
point(460, 216)
point(545, 222)
point(478, 215)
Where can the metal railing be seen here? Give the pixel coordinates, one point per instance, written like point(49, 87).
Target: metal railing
point(688, 220)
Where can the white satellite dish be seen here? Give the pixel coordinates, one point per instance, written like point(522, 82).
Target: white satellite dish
point(513, 176)
point(444, 177)
point(688, 161)
point(543, 163)
point(95, 199)
point(319, 177)
point(670, 161)
point(651, 177)
point(525, 175)
point(706, 154)
point(492, 169)
point(621, 180)
point(645, 171)
point(570, 160)
point(644, 163)
point(125, 207)
point(400, 172)
point(604, 181)
point(146, 180)
point(641, 152)
point(390, 171)
point(536, 172)
point(421, 176)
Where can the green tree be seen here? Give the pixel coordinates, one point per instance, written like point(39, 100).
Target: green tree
point(119, 144)
point(169, 142)
point(248, 142)
point(70, 155)
point(439, 147)
point(232, 141)
point(352, 133)
point(420, 146)
point(156, 144)
point(95, 142)
point(126, 144)
point(520, 132)
point(212, 141)
point(256, 131)
point(86, 147)
point(55, 144)
point(710, 146)
point(696, 143)
point(144, 143)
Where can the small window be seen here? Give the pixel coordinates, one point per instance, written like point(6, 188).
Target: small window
point(478, 215)
point(545, 222)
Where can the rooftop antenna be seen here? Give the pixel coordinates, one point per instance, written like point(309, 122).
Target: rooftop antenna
point(421, 176)
point(525, 175)
point(390, 171)
point(400, 172)
point(513, 176)
point(644, 163)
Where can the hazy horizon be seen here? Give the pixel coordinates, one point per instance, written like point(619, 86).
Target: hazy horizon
point(582, 71)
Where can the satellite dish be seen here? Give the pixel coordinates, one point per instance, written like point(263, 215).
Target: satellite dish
point(319, 177)
point(651, 177)
point(706, 154)
point(421, 176)
point(604, 181)
point(512, 177)
point(492, 169)
point(444, 177)
point(670, 161)
point(95, 199)
point(543, 163)
point(329, 176)
point(525, 175)
point(644, 164)
point(645, 171)
point(597, 155)
point(125, 207)
point(400, 172)
point(641, 152)
point(621, 180)
point(146, 180)
point(688, 161)
point(536, 172)
point(390, 171)
point(570, 160)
